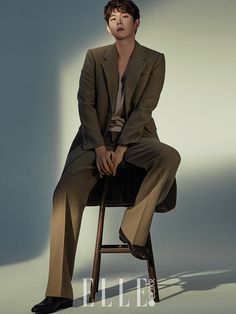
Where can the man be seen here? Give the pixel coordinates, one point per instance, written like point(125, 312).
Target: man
point(119, 87)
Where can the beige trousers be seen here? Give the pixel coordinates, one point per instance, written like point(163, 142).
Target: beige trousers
point(70, 196)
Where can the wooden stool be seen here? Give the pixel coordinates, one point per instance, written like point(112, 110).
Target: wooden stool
point(126, 182)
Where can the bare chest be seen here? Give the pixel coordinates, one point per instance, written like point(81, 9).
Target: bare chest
point(122, 64)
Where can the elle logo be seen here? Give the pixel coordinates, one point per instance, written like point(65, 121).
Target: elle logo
point(140, 302)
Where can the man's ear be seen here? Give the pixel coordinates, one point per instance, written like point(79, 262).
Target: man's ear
point(108, 29)
point(137, 23)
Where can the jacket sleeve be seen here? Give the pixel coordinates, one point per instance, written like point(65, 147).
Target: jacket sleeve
point(92, 136)
point(133, 128)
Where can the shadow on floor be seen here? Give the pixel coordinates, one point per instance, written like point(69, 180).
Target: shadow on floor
point(176, 283)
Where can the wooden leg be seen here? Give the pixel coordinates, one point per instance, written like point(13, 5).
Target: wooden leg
point(152, 272)
point(97, 253)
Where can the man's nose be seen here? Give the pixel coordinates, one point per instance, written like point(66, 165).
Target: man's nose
point(119, 20)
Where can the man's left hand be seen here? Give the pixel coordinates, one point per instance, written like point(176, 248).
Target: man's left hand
point(119, 154)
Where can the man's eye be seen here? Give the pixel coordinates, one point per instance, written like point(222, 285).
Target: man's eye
point(113, 18)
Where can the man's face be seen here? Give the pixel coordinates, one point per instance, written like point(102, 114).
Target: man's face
point(121, 25)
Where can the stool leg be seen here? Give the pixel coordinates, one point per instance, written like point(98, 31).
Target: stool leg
point(152, 270)
point(97, 253)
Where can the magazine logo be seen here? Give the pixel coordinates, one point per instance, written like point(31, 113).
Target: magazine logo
point(141, 301)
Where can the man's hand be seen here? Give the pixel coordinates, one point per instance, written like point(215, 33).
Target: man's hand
point(108, 161)
point(119, 154)
point(105, 160)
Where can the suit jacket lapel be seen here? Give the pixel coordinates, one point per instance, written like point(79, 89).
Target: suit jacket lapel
point(110, 66)
point(135, 67)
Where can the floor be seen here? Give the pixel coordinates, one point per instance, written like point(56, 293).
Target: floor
point(200, 292)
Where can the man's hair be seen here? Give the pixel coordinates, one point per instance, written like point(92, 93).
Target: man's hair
point(127, 6)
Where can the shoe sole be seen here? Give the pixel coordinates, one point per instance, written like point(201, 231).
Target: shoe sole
point(122, 239)
point(125, 240)
point(62, 306)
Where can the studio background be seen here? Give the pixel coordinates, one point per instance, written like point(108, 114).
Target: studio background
point(43, 45)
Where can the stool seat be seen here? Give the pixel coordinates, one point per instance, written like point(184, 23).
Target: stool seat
point(117, 191)
point(122, 188)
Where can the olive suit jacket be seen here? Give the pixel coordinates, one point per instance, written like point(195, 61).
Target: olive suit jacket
point(97, 94)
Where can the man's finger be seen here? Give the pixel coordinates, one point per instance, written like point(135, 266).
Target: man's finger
point(110, 163)
point(114, 171)
point(113, 157)
point(105, 166)
point(100, 167)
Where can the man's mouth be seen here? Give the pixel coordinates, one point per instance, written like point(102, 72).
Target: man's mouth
point(120, 29)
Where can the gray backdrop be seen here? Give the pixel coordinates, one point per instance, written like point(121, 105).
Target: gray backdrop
point(43, 44)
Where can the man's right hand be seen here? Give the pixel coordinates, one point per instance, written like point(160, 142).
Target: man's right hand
point(105, 160)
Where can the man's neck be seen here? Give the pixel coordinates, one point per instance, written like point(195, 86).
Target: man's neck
point(125, 47)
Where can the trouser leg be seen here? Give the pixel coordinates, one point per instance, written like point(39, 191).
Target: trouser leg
point(69, 199)
point(161, 162)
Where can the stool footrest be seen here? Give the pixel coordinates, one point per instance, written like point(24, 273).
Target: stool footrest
point(114, 248)
point(117, 248)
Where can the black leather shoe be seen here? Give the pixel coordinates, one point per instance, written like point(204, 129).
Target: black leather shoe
point(52, 304)
point(140, 252)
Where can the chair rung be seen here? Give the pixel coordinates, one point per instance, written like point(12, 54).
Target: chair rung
point(114, 248)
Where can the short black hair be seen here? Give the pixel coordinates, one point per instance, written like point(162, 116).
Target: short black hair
point(127, 6)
